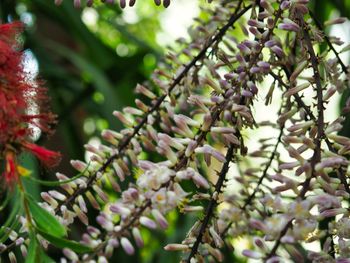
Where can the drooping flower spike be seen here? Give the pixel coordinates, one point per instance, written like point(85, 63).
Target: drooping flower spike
point(18, 96)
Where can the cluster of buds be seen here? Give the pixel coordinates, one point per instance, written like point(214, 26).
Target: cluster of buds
point(122, 3)
point(18, 95)
point(200, 120)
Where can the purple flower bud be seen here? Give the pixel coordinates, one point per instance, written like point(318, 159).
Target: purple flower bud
point(148, 222)
point(77, 3)
point(166, 3)
point(127, 246)
point(137, 236)
point(120, 209)
point(78, 165)
point(122, 3)
point(70, 254)
point(58, 2)
point(256, 23)
point(200, 181)
point(176, 247)
point(163, 223)
point(252, 254)
point(278, 51)
point(285, 5)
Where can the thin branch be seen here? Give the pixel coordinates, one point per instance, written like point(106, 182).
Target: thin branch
point(301, 104)
point(261, 178)
point(212, 203)
point(320, 128)
point(329, 43)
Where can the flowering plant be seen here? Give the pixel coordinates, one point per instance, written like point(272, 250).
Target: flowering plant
point(279, 181)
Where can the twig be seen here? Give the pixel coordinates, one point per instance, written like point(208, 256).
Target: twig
point(212, 203)
point(301, 104)
point(329, 43)
point(320, 129)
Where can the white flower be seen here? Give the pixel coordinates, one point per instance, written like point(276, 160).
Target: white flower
point(153, 179)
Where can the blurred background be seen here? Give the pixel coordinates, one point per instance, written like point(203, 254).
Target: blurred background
point(91, 60)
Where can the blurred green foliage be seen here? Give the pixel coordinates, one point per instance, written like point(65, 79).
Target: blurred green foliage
point(91, 60)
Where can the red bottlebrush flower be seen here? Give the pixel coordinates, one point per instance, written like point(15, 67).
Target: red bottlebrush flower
point(49, 158)
point(18, 97)
point(10, 174)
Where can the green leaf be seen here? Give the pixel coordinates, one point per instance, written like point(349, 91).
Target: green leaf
point(35, 252)
point(64, 243)
point(34, 248)
point(45, 258)
point(45, 220)
point(12, 220)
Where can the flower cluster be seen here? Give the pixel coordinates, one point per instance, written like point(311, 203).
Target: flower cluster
point(18, 94)
point(122, 3)
point(198, 116)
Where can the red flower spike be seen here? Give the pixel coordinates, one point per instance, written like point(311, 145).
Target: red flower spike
point(10, 173)
point(17, 97)
point(47, 157)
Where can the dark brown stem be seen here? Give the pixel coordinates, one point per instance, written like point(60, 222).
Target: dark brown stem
point(340, 172)
point(329, 43)
point(212, 203)
point(320, 128)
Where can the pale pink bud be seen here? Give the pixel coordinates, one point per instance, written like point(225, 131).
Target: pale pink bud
point(70, 254)
point(100, 193)
point(122, 118)
point(333, 212)
point(78, 165)
point(57, 195)
point(137, 236)
point(252, 254)
point(77, 3)
point(200, 181)
point(192, 209)
point(289, 27)
point(256, 23)
point(207, 149)
point(119, 171)
point(105, 222)
point(127, 246)
point(119, 209)
point(58, 2)
point(176, 247)
point(143, 90)
point(274, 259)
point(12, 257)
point(339, 20)
point(216, 237)
point(148, 222)
point(278, 51)
point(82, 216)
point(285, 5)
point(163, 223)
point(47, 198)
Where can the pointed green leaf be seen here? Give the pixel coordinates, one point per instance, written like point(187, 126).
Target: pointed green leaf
point(64, 243)
point(44, 220)
point(34, 248)
point(45, 258)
